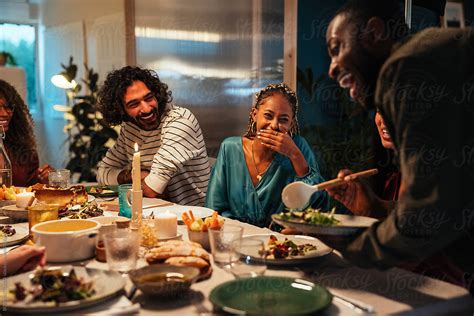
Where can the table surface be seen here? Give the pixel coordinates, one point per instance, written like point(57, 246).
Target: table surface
point(394, 291)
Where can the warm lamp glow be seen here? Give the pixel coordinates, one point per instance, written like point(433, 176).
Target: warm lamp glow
point(61, 82)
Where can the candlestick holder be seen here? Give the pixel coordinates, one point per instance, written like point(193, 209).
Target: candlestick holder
point(137, 209)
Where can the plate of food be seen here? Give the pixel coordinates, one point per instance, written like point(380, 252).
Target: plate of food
point(291, 249)
point(62, 288)
point(87, 210)
point(102, 190)
point(12, 234)
point(313, 221)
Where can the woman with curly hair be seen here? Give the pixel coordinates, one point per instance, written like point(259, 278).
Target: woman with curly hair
point(16, 126)
point(174, 160)
point(252, 170)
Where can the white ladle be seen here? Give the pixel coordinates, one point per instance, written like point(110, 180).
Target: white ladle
point(296, 195)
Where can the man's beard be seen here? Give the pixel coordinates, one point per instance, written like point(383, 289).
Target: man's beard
point(147, 126)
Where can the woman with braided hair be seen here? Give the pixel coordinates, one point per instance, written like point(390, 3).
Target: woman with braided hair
point(252, 170)
point(16, 126)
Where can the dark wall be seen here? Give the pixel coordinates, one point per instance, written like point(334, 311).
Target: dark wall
point(469, 12)
point(341, 134)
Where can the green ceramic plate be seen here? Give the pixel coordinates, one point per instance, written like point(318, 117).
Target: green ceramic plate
point(268, 295)
point(107, 193)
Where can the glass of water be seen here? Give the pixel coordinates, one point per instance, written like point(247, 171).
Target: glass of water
point(221, 241)
point(59, 177)
point(251, 258)
point(121, 249)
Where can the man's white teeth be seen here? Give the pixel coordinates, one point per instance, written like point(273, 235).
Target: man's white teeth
point(145, 117)
point(385, 132)
point(3, 122)
point(346, 81)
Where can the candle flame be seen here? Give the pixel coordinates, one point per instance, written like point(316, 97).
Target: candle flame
point(136, 147)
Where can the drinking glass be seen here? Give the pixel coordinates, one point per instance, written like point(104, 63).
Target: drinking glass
point(60, 178)
point(42, 212)
point(125, 207)
point(251, 258)
point(121, 249)
point(221, 241)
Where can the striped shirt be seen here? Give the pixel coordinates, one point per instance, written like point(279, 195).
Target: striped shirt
point(175, 154)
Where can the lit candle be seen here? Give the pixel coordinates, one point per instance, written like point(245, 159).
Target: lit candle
point(24, 199)
point(166, 224)
point(136, 171)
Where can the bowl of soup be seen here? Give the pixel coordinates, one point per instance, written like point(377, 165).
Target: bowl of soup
point(67, 240)
point(164, 279)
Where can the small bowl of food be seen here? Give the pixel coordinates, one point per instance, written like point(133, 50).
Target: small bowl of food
point(198, 229)
point(164, 279)
point(201, 238)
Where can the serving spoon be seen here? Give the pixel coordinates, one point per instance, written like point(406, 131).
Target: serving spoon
point(296, 195)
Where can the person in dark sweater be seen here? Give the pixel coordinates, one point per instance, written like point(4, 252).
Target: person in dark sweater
point(424, 90)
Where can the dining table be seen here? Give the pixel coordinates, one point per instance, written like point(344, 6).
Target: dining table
point(355, 290)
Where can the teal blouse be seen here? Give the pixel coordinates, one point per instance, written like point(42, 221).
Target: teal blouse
point(232, 193)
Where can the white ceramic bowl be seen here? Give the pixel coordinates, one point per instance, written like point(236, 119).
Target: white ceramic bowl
point(67, 241)
point(107, 223)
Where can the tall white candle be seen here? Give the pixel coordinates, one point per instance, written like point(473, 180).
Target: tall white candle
point(166, 224)
point(136, 171)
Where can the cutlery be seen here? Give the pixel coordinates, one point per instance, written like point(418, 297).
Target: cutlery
point(354, 304)
point(296, 195)
point(158, 205)
point(132, 293)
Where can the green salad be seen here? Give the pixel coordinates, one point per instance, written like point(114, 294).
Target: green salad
point(311, 216)
point(53, 286)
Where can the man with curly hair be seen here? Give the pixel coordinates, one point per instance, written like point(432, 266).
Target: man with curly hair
point(174, 160)
point(16, 126)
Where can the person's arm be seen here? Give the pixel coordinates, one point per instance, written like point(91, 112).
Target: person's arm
point(358, 197)
point(428, 215)
point(113, 169)
point(181, 141)
point(21, 259)
point(313, 176)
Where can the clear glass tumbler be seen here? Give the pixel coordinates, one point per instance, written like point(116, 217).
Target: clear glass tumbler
point(60, 178)
point(121, 248)
point(221, 241)
point(251, 258)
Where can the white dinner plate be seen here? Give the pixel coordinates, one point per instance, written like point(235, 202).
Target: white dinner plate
point(17, 214)
point(198, 211)
point(21, 234)
point(107, 284)
point(348, 225)
point(321, 248)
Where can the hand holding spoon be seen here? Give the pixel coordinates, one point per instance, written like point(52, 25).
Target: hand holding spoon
point(296, 195)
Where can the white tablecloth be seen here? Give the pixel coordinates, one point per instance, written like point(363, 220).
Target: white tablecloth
point(394, 291)
point(389, 292)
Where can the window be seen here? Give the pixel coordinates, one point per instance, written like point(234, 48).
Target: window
point(19, 40)
point(214, 56)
